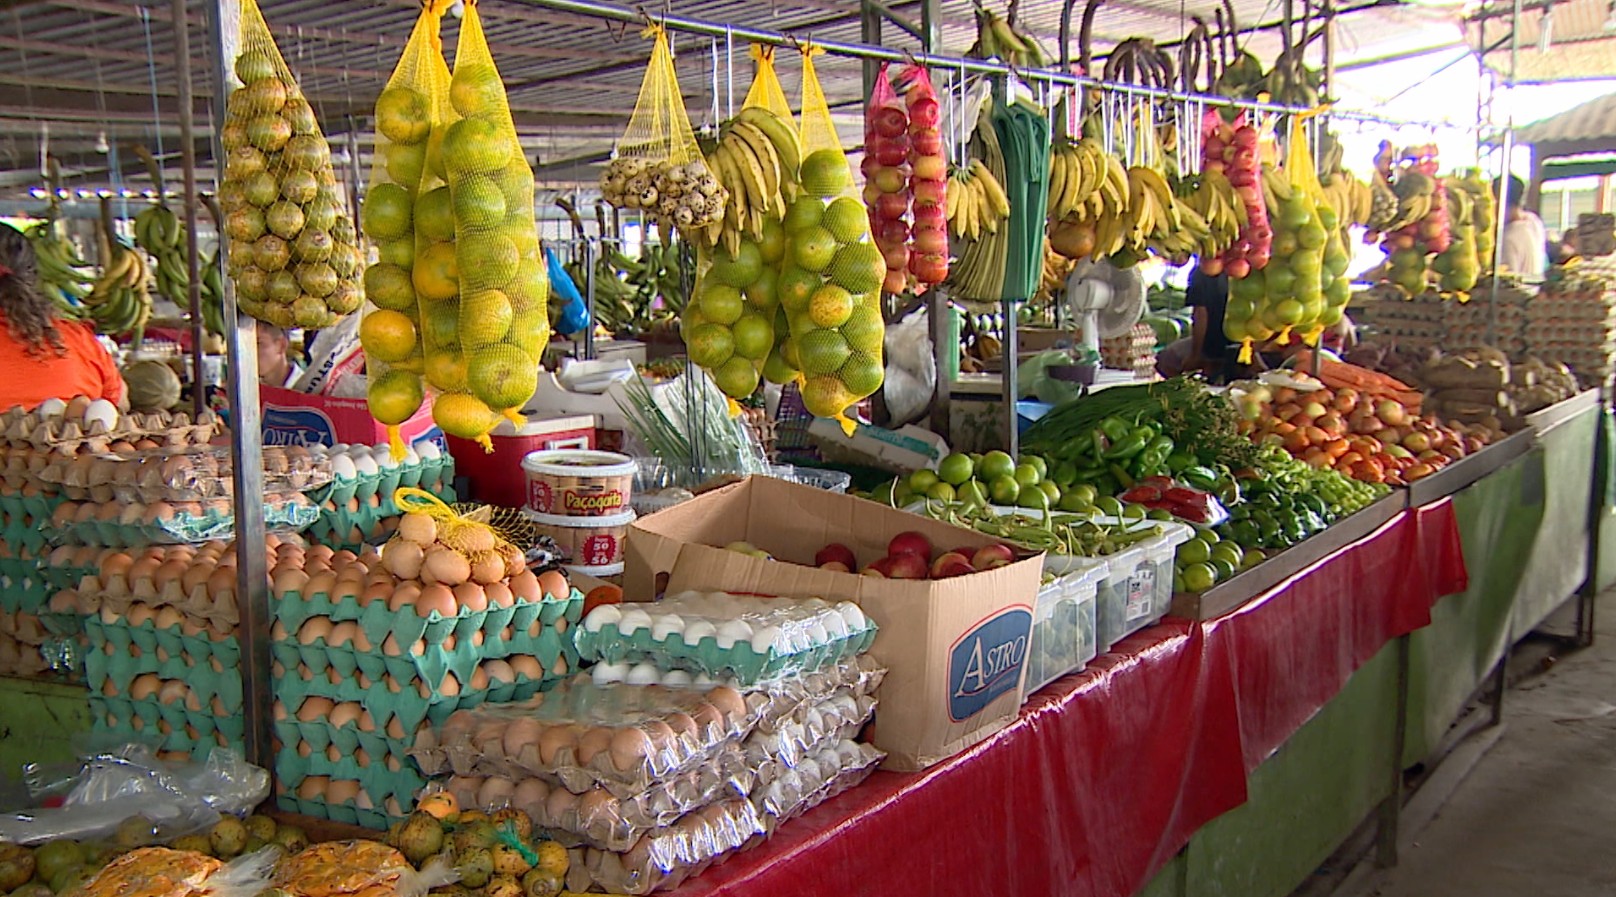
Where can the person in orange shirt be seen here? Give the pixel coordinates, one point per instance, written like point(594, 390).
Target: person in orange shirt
point(43, 356)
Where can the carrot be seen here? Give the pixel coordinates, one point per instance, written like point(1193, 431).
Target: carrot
point(1339, 375)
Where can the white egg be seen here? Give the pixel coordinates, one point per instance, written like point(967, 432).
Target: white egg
point(384, 457)
point(607, 673)
point(834, 625)
point(633, 620)
point(410, 457)
point(601, 617)
point(103, 411)
point(677, 679)
point(428, 450)
point(341, 448)
point(52, 407)
point(665, 625)
point(702, 680)
point(813, 603)
point(851, 755)
point(687, 598)
point(365, 464)
point(342, 467)
point(770, 638)
point(815, 632)
point(643, 674)
point(853, 616)
point(696, 630)
point(809, 770)
point(734, 631)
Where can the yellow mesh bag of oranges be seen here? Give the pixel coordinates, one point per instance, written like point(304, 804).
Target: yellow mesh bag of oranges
point(733, 326)
point(484, 291)
point(390, 332)
point(292, 248)
point(830, 288)
point(658, 168)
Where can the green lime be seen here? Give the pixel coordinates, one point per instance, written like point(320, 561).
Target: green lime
point(1004, 490)
point(1033, 498)
point(1178, 582)
point(922, 480)
point(994, 465)
point(1051, 491)
point(1074, 502)
point(1223, 567)
point(955, 469)
point(1252, 558)
point(1207, 533)
point(1195, 551)
point(1199, 577)
point(976, 458)
point(1159, 514)
point(1108, 506)
point(1065, 474)
point(1086, 493)
point(972, 492)
point(1133, 512)
point(1027, 475)
point(1228, 551)
point(940, 491)
point(1038, 464)
point(902, 495)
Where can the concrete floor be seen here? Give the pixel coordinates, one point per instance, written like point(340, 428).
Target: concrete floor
point(1537, 814)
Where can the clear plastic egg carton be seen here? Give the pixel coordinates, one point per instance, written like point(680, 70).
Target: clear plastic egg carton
point(598, 818)
point(623, 738)
point(746, 638)
point(769, 752)
point(791, 700)
point(193, 473)
point(668, 856)
point(135, 524)
point(834, 768)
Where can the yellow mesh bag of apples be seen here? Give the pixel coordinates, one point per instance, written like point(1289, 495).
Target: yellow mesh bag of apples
point(485, 363)
point(830, 289)
point(292, 247)
point(659, 168)
point(394, 210)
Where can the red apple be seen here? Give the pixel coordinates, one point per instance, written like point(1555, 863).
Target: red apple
point(882, 568)
point(891, 122)
point(911, 543)
point(836, 567)
point(909, 566)
point(929, 193)
point(836, 553)
point(951, 570)
point(872, 572)
point(926, 143)
point(896, 256)
point(892, 153)
point(989, 556)
point(929, 267)
point(930, 241)
point(931, 216)
point(896, 282)
point(924, 112)
point(891, 206)
point(888, 180)
point(893, 232)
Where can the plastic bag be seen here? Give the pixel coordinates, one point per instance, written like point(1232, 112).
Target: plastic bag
point(665, 857)
point(913, 378)
point(111, 787)
point(500, 305)
point(886, 177)
point(162, 872)
point(293, 253)
point(396, 208)
point(358, 867)
point(659, 168)
point(831, 290)
point(574, 313)
point(831, 769)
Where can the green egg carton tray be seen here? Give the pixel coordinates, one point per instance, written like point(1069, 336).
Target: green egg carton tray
point(407, 705)
point(347, 814)
point(433, 476)
point(204, 682)
point(117, 716)
point(741, 661)
point(197, 649)
point(67, 576)
point(320, 734)
point(184, 528)
point(377, 622)
point(377, 780)
point(372, 523)
point(22, 588)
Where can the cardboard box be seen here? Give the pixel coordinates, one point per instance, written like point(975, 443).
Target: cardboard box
point(955, 649)
point(298, 418)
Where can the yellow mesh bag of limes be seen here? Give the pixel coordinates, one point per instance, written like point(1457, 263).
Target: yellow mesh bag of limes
point(292, 249)
point(395, 215)
point(733, 326)
point(830, 288)
point(659, 168)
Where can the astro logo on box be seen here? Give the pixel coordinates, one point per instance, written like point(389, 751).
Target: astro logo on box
point(986, 661)
point(297, 426)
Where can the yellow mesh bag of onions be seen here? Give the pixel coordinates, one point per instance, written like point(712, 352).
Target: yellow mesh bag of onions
point(434, 544)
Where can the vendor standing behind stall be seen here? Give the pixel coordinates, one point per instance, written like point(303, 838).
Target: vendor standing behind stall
point(43, 356)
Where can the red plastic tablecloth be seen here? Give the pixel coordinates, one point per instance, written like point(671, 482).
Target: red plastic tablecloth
point(1107, 774)
point(1293, 649)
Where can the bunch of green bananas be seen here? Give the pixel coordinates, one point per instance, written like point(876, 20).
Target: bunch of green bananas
point(998, 38)
point(627, 288)
point(64, 275)
point(213, 294)
point(119, 302)
point(159, 232)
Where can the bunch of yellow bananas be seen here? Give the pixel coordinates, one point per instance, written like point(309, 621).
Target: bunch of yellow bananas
point(118, 302)
point(1085, 182)
point(975, 202)
point(756, 160)
point(1213, 198)
point(1351, 198)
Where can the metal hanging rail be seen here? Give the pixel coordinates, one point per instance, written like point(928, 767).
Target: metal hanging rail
point(600, 10)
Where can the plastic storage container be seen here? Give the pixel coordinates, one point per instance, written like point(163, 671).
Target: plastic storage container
point(1160, 553)
point(1136, 588)
point(1064, 631)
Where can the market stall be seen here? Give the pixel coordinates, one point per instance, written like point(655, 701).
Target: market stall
point(456, 607)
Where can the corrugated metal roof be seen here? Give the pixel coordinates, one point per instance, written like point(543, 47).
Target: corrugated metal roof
point(1579, 44)
point(90, 66)
point(1588, 128)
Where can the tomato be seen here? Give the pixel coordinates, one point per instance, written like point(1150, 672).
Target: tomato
point(1337, 447)
point(1316, 435)
point(1296, 441)
point(1348, 459)
point(1320, 460)
point(1284, 429)
point(606, 594)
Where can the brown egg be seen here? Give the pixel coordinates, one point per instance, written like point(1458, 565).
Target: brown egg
point(479, 679)
point(290, 581)
point(304, 750)
point(344, 714)
point(390, 646)
point(143, 568)
point(342, 634)
point(323, 582)
point(495, 792)
point(117, 564)
point(279, 710)
point(592, 743)
point(471, 596)
point(729, 702)
point(630, 748)
point(487, 567)
point(314, 788)
point(367, 723)
point(681, 724)
point(498, 672)
point(168, 618)
point(663, 739)
point(376, 591)
point(559, 806)
point(403, 558)
point(145, 686)
point(446, 565)
point(499, 594)
point(436, 597)
point(530, 795)
point(314, 628)
point(315, 708)
point(523, 731)
point(450, 686)
point(554, 585)
point(707, 718)
point(139, 614)
point(597, 806)
point(222, 583)
point(525, 586)
point(342, 791)
point(525, 666)
point(395, 729)
point(361, 643)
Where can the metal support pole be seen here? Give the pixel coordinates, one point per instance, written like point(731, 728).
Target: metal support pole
point(1011, 390)
point(870, 33)
point(931, 25)
point(247, 477)
point(182, 50)
point(589, 297)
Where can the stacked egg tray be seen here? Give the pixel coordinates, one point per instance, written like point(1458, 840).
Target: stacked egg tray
point(1573, 321)
point(137, 525)
point(357, 508)
point(426, 668)
point(25, 588)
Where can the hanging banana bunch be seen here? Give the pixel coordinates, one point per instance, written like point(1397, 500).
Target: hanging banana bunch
point(213, 294)
point(977, 208)
point(975, 202)
point(118, 302)
point(65, 276)
point(159, 232)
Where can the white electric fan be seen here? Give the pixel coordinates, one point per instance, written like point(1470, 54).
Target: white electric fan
point(1104, 301)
